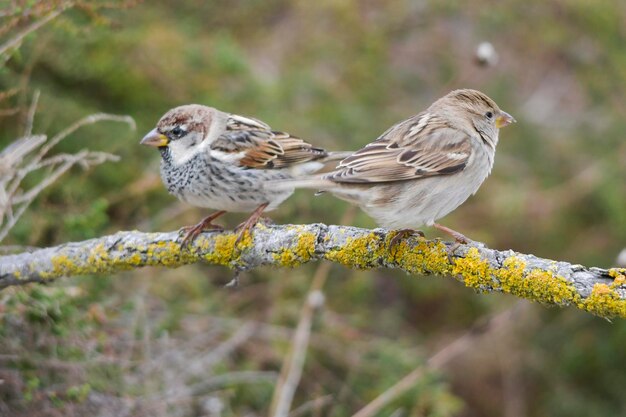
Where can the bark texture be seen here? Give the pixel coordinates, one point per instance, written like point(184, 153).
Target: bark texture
point(599, 291)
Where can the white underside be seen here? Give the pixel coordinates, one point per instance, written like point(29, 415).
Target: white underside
point(220, 202)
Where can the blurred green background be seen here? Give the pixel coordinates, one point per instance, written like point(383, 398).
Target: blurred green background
point(158, 342)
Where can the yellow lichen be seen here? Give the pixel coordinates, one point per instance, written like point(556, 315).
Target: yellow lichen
point(224, 250)
point(98, 259)
point(512, 274)
point(604, 301)
point(537, 285)
point(169, 254)
point(545, 287)
point(304, 250)
point(368, 251)
point(362, 252)
point(61, 265)
point(429, 257)
point(134, 259)
point(476, 272)
point(512, 278)
point(619, 277)
point(306, 245)
point(219, 250)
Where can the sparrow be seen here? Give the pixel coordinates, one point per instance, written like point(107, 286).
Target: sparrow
point(221, 161)
point(422, 168)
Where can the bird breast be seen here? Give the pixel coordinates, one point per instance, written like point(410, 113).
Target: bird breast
point(204, 181)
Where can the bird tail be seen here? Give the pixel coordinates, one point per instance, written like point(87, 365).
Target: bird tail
point(322, 162)
point(314, 182)
point(304, 179)
point(336, 156)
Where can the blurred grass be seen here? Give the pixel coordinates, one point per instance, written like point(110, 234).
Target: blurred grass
point(338, 74)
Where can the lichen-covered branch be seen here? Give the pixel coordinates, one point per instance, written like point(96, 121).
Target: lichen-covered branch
point(599, 291)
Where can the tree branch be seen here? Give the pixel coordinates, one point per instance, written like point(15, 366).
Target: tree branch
point(599, 291)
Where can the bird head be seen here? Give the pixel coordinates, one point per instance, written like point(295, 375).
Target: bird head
point(181, 131)
point(477, 109)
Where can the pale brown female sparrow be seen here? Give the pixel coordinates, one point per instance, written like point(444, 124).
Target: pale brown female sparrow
point(423, 168)
point(220, 161)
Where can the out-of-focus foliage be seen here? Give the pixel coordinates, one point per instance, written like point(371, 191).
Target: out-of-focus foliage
point(166, 342)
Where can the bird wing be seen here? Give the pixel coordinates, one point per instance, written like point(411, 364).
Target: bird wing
point(422, 146)
point(253, 144)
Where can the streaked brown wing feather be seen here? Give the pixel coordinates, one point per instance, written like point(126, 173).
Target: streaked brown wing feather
point(422, 146)
point(295, 150)
point(261, 147)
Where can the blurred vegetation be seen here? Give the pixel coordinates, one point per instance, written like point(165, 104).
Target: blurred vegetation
point(165, 342)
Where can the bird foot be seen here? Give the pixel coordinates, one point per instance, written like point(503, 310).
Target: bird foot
point(191, 232)
point(459, 239)
point(248, 225)
point(266, 221)
point(403, 234)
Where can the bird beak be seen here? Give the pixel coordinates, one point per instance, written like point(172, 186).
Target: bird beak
point(154, 138)
point(504, 119)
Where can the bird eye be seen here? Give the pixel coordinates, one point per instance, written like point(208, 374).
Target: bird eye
point(178, 131)
point(489, 115)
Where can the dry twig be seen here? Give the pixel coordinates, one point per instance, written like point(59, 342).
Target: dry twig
point(439, 360)
point(291, 371)
point(29, 154)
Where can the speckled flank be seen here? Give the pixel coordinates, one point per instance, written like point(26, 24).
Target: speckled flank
point(205, 181)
